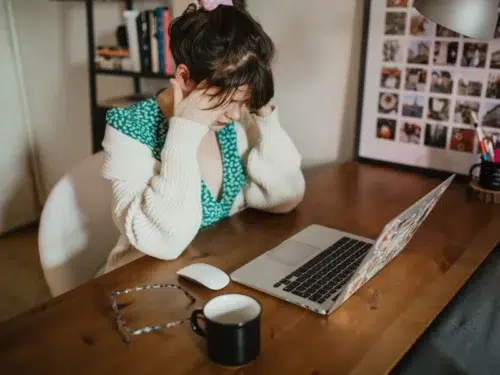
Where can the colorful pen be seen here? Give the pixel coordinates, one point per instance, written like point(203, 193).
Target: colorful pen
point(484, 154)
point(482, 139)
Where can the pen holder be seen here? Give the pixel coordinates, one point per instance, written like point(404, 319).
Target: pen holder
point(489, 175)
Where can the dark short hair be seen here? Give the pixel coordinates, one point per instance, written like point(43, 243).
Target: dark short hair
point(226, 47)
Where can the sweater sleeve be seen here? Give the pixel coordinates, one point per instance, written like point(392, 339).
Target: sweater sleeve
point(159, 215)
point(273, 165)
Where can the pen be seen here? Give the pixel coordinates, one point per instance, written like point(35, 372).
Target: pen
point(488, 147)
point(484, 154)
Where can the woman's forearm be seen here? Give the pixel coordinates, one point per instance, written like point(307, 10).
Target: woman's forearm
point(161, 216)
point(275, 179)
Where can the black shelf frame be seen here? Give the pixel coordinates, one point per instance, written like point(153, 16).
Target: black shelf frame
point(97, 112)
point(123, 73)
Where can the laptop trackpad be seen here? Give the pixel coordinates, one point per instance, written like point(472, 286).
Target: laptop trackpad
point(292, 253)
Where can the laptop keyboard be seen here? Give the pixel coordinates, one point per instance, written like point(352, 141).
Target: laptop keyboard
point(325, 274)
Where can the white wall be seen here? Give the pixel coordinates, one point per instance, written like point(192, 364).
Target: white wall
point(316, 74)
point(17, 199)
point(318, 43)
point(53, 48)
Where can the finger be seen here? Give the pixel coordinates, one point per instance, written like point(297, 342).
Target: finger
point(203, 85)
point(213, 92)
point(224, 120)
point(212, 103)
point(178, 95)
point(222, 101)
point(217, 108)
point(216, 127)
point(209, 98)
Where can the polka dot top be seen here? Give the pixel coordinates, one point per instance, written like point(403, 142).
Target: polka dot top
point(145, 123)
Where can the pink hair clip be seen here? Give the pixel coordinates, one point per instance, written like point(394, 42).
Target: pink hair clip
point(210, 5)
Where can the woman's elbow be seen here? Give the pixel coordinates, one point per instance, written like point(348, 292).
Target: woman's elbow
point(292, 203)
point(288, 206)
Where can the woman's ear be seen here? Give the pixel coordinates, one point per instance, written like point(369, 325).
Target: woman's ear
point(183, 78)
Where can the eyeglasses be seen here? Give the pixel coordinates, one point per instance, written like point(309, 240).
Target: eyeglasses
point(125, 331)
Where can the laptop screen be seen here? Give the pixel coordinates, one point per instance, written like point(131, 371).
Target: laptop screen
point(393, 239)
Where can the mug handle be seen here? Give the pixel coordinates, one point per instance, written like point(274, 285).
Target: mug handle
point(472, 168)
point(194, 322)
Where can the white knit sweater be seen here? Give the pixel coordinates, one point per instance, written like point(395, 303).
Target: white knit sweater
point(157, 206)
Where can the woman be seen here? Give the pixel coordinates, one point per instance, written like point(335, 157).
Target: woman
point(205, 148)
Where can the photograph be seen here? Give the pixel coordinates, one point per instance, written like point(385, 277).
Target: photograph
point(386, 128)
point(463, 112)
point(397, 3)
point(495, 54)
point(462, 140)
point(474, 55)
point(441, 82)
point(390, 78)
point(493, 87)
point(418, 52)
point(388, 103)
point(439, 109)
point(445, 53)
point(415, 79)
point(445, 32)
point(497, 30)
point(410, 132)
point(435, 135)
point(395, 23)
point(420, 26)
point(392, 51)
point(470, 83)
point(491, 117)
point(413, 106)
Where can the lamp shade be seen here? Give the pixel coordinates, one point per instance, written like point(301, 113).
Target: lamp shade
point(476, 19)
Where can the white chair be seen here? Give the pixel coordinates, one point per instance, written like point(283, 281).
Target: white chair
point(76, 230)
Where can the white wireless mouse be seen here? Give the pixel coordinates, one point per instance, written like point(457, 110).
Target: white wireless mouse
point(206, 275)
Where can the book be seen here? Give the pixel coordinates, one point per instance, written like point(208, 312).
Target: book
point(149, 41)
point(131, 17)
point(143, 36)
point(153, 42)
point(167, 55)
point(159, 38)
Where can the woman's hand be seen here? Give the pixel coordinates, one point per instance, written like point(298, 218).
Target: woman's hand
point(199, 105)
point(264, 111)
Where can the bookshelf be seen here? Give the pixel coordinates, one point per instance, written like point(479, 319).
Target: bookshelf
point(123, 73)
point(98, 109)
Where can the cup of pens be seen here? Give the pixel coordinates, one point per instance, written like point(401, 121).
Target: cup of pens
point(488, 176)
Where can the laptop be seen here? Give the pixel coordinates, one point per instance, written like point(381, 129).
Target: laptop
point(319, 268)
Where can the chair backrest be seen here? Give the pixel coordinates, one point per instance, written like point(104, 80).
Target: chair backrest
point(76, 230)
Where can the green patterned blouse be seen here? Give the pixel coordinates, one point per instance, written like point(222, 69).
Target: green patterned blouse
point(145, 123)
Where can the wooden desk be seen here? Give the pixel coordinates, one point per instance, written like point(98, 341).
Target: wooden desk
point(75, 333)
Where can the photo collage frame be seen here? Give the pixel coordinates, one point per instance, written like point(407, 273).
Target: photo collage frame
point(421, 82)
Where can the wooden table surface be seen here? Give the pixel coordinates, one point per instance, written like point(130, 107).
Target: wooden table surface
point(75, 333)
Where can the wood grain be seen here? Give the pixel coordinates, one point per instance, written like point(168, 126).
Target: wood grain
point(75, 333)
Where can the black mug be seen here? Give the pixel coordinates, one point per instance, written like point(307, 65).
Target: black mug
point(232, 328)
point(489, 174)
